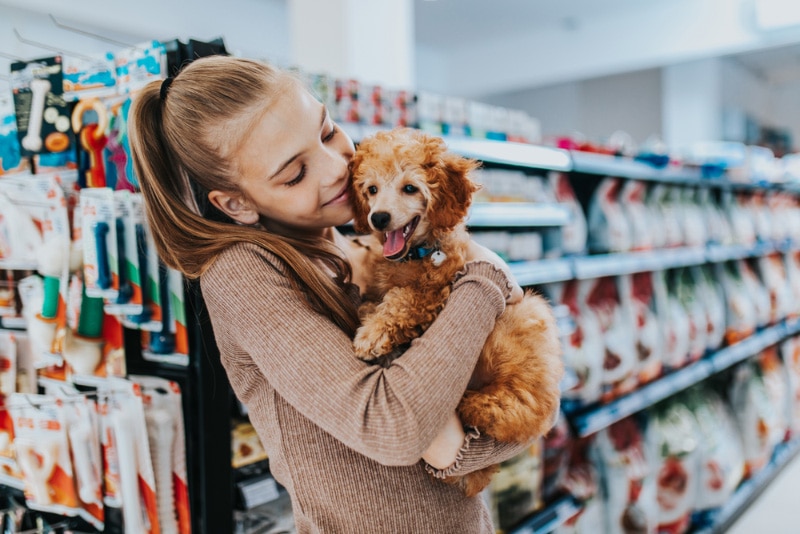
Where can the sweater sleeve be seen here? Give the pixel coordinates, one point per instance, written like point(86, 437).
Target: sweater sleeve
point(389, 414)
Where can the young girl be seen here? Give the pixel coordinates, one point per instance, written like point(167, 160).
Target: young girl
point(245, 179)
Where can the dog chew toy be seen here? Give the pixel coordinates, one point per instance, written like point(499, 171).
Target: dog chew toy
point(163, 342)
point(38, 461)
point(161, 434)
point(32, 141)
point(123, 425)
point(84, 351)
point(80, 438)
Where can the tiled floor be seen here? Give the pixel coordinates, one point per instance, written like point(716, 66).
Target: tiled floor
point(777, 510)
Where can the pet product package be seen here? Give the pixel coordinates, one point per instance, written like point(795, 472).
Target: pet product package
point(557, 444)
point(582, 482)
point(574, 234)
point(756, 418)
point(632, 196)
point(721, 455)
point(649, 341)
point(630, 483)
point(672, 434)
point(741, 318)
point(516, 489)
point(615, 316)
point(609, 228)
point(674, 323)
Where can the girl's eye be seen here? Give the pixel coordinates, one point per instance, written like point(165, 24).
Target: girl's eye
point(296, 180)
point(372, 190)
point(409, 189)
point(331, 135)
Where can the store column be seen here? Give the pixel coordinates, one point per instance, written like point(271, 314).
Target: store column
point(692, 102)
point(370, 41)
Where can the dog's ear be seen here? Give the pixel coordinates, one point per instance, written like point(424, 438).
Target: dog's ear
point(452, 196)
point(360, 205)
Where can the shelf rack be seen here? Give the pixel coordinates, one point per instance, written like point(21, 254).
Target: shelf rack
point(592, 419)
point(549, 518)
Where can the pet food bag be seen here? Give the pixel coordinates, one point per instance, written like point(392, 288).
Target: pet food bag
point(741, 319)
point(773, 273)
point(710, 293)
point(755, 416)
point(516, 489)
point(628, 480)
point(582, 482)
point(584, 350)
point(672, 434)
point(649, 340)
point(790, 352)
point(721, 454)
point(574, 234)
point(632, 196)
point(615, 316)
point(557, 445)
point(695, 232)
point(609, 228)
point(674, 322)
point(689, 297)
point(757, 291)
point(773, 374)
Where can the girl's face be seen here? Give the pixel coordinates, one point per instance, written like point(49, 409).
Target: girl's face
point(294, 168)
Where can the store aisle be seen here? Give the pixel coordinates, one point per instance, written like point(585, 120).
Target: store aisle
point(777, 510)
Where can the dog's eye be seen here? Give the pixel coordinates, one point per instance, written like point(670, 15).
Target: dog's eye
point(372, 190)
point(409, 189)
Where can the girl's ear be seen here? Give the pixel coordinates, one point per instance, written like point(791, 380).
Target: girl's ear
point(234, 206)
point(452, 198)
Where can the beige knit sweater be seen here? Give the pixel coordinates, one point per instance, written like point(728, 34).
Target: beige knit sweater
point(344, 437)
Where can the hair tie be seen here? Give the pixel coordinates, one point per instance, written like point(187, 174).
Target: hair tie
point(165, 87)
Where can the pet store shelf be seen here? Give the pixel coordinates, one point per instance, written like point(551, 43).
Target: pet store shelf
point(615, 264)
point(625, 167)
point(595, 418)
point(13, 265)
point(517, 215)
point(531, 273)
point(751, 489)
point(550, 518)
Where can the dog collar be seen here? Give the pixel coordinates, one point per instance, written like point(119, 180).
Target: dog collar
point(419, 253)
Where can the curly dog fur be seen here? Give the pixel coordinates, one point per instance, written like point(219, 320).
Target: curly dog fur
point(413, 196)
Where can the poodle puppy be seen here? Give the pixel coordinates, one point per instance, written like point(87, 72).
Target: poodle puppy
point(412, 195)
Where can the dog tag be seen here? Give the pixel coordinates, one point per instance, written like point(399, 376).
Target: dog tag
point(438, 257)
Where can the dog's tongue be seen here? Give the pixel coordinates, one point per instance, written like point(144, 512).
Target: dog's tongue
point(394, 243)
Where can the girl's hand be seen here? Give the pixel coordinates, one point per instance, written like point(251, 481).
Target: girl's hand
point(476, 252)
point(443, 451)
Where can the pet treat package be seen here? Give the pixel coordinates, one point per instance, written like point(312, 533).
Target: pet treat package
point(615, 316)
point(695, 231)
point(584, 351)
point(649, 341)
point(742, 224)
point(792, 266)
point(632, 197)
point(582, 481)
point(609, 228)
point(716, 222)
point(673, 322)
point(42, 449)
point(756, 418)
point(741, 318)
point(721, 456)
point(575, 233)
point(671, 433)
point(628, 479)
point(516, 489)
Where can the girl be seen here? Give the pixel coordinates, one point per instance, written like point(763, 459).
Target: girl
point(245, 179)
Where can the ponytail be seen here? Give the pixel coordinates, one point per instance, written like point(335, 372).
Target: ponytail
point(177, 171)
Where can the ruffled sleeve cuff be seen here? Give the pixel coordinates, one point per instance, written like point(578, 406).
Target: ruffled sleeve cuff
point(472, 433)
point(488, 275)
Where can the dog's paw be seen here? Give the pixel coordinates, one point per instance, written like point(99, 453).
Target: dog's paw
point(371, 345)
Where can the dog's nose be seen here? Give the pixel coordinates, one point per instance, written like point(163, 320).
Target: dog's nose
point(380, 220)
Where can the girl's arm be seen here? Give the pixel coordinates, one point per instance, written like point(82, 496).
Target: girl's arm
point(266, 331)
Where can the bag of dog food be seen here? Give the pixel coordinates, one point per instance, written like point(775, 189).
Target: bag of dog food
point(674, 322)
point(628, 479)
point(741, 318)
point(756, 418)
point(672, 435)
point(575, 233)
point(721, 455)
point(695, 232)
point(773, 374)
point(602, 299)
point(773, 273)
point(516, 489)
point(557, 445)
point(632, 196)
point(790, 352)
point(582, 482)
point(649, 341)
point(584, 350)
point(757, 291)
point(688, 295)
point(609, 229)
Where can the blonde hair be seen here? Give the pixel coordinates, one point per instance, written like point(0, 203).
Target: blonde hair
point(183, 147)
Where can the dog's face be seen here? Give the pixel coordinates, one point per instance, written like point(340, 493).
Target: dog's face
point(406, 185)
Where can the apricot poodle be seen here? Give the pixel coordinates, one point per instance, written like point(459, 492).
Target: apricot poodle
point(413, 196)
